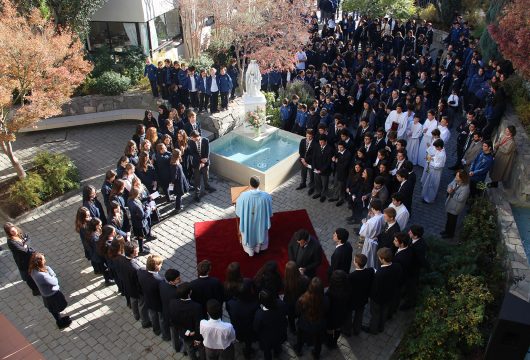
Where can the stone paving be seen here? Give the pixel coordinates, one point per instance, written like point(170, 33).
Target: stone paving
point(103, 326)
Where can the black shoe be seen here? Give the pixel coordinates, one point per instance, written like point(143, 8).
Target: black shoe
point(339, 203)
point(322, 198)
point(147, 325)
point(316, 196)
point(311, 191)
point(211, 189)
point(300, 187)
point(151, 238)
point(64, 322)
point(197, 198)
point(166, 338)
point(145, 251)
point(333, 200)
point(35, 292)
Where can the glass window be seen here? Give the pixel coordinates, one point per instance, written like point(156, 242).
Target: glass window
point(98, 35)
point(118, 36)
point(168, 26)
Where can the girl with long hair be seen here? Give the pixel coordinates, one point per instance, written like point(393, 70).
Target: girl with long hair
point(179, 181)
point(339, 295)
point(295, 284)
point(152, 135)
point(312, 309)
point(20, 247)
point(131, 151)
point(146, 172)
point(93, 230)
point(108, 232)
point(91, 202)
point(48, 285)
point(268, 278)
point(233, 280)
point(81, 221)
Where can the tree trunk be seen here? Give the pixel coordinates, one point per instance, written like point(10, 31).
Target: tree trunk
point(8, 150)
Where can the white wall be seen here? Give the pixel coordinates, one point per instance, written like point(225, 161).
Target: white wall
point(133, 10)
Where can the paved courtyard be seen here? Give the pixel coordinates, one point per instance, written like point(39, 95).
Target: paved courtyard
point(103, 327)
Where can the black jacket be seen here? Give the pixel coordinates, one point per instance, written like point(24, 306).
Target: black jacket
point(341, 259)
point(241, 316)
point(322, 159)
point(21, 253)
point(195, 156)
point(386, 238)
point(309, 258)
point(361, 284)
point(419, 250)
point(386, 284)
point(405, 258)
point(342, 166)
point(149, 284)
point(307, 155)
point(204, 289)
point(168, 292)
point(271, 325)
point(185, 315)
point(407, 190)
point(127, 270)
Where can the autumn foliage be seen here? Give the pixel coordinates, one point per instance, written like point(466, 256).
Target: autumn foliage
point(39, 69)
point(269, 31)
point(512, 35)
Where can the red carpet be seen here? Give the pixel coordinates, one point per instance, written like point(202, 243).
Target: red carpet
point(217, 241)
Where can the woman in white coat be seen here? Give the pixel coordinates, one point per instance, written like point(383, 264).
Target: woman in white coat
point(413, 141)
point(457, 195)
point(433, 172)
point(430, 124)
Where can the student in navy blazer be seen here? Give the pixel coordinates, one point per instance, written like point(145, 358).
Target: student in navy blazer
point(140, 218)
point(212, 89)
point(192, 86)
point(204, 96)
point(91, 202)
point(225, 87)
point(200, 161)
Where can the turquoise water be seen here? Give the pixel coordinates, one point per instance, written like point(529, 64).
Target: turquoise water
point(260, 155)
point(522, 219)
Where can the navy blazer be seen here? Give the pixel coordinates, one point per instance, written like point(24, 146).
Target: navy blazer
point(140, 217)
point(188, 128)
point(341, 259)
point(147, 177)
point(225, 83)
point(361, 284)
point(96, 210)
point(194, 153)
point(209, 84)
point(127, 270)
point(271, 325)
point(187, 83)
point(149, 283)
point(162, 167)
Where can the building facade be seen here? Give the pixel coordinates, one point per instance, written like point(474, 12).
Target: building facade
point(153, 25)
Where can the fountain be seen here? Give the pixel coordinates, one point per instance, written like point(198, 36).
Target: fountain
point(264, 151)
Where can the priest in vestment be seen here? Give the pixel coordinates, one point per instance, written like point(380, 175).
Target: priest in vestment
point(370, 229)
point(254, 210)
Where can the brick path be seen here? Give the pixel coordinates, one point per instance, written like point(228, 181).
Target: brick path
point(102, 325)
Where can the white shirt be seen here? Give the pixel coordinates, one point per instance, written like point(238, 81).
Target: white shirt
point(400, 119)
point(193, 86)
point(402, 215)
point(301, 58)
point(445, 134)
point(217, 334)
point(213, 87)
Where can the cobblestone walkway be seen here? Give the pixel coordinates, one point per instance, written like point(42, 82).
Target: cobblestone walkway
point(103, 327)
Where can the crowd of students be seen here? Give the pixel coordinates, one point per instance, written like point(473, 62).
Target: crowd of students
point(383, 105)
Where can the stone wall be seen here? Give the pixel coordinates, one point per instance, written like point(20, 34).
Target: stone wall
point(223, 122)
point(518, 186)
point(98, 103)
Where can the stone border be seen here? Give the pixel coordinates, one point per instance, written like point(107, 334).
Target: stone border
point(516, 261)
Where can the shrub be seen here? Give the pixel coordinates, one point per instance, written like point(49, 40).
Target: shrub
point(429, 13)
point(131, 64)
point(58, 171)
point(273, 109)
point(27, 193)
point(219, 51)
point(103, 61)
point(112, 83)
point(203, 62)
point(300, 88)
point(518, 91)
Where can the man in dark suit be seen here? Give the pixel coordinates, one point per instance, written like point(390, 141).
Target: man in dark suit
point(341, 257)
point(419, 250)
point(404, 257)
point(384, 287)
point(168, 292)
point(359, 134)
point(185, 315)
point(306, 252)
point(149, 280)
point(270, 324)
point(206, 287)
point(361, 280)
point(200, 161)
point(342, 160)
point(391, 227)
point(322, 167)
point(192, 124)
point(127, 268)
point(306, 151)
point(405, 188)
point(370, 147)
point(379, 140)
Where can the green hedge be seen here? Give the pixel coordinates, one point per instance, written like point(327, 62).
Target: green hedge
point(461, 292)
point(52, 175)
point(112, 83)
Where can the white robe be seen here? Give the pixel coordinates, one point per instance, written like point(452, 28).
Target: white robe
point(426, 141)
point(400, 119)
point(413, 143)
point(431, 178)
point(402, 215)
point(445, 133)
point(370, 230)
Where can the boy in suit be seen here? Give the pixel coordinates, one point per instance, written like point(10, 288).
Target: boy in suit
point(361, 280)
point(168, 292)
point(200, 154)
point(306, 252)
point(149, 280)
point(306, 150)
point(341, 257)
point(206, 287)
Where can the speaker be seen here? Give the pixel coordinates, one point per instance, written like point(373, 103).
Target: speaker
point(510, 338)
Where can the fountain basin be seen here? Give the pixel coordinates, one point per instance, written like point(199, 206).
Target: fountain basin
point(271, 154)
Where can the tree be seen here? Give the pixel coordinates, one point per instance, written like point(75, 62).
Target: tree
point(269, 31)
point(399, 9)
point(75, 14)
point(39, 69)
point(193, 14)
point(512, 35)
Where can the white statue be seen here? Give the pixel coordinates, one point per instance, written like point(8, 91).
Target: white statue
point(253, 79)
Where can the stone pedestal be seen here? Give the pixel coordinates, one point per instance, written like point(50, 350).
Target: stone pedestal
point(252, 103)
